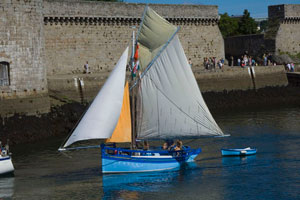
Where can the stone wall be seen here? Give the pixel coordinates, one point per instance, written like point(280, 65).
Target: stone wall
point(288, 32)
point(288, 37)
point(236, 78)
point(256, 45)
point(276, 11)
point(66, 88)
point(98, 32)
point(22, 46)
point(282, 36)
point(83, 8)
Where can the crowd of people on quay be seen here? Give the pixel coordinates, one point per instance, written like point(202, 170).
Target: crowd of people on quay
point(246, 61)
point(290, 67)
point(211, 63)
point(243, 61)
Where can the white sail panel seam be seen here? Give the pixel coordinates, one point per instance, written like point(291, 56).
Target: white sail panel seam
point(214, 130)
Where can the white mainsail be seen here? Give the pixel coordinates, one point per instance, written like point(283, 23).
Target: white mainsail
point(171, 104)
point(103, 114)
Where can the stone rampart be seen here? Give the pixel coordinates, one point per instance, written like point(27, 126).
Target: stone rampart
point(255, 45)
point(270, 76)
point(236, 78)
point(288, 31)
point(43, 39)
point(22, 73)
point(98, 32)
point(284, 11)
point(57, 8)
point(67, 88)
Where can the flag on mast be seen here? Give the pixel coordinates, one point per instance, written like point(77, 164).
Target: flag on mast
point(136, 66)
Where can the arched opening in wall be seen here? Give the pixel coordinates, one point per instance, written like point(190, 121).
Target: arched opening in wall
point(4, 74)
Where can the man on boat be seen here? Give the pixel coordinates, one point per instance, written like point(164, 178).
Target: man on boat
point(178, 146)
point(165, 146)
point(146, 145)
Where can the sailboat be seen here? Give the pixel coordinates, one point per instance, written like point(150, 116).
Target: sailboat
point(6, 165)
point(166, 103)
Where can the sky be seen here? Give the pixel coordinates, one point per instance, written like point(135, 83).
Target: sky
point(257, 8)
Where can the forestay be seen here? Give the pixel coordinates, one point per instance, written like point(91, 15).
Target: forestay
point(103, 114)
point(171, 102)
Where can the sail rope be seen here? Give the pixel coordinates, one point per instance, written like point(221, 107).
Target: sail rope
point(142, 21)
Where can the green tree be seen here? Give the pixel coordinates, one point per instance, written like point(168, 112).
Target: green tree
point(228, 25)
point(263, 26)
point(247, 25)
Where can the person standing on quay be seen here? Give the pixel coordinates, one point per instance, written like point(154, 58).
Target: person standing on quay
point(190, 62)
point(239, 62)
point(86, 67)
point(231, 61)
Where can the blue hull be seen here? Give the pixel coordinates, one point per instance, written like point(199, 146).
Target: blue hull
point(238, 152)
point(118, 160)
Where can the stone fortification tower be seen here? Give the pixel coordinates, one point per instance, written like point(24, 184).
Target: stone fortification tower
point(23, 83)
point(285, 28)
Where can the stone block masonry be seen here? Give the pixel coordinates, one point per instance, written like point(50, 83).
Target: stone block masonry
point(98, 32)
point(21, 55)
point(287, 38)
point(240, 79)
point(48, 39)
point(66, 88)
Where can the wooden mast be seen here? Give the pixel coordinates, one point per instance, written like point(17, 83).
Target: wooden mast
point(133, 97)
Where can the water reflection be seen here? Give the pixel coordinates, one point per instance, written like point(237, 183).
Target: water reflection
point(237, 160)
point(43, 173)
point(6, 187)
point(130, 186)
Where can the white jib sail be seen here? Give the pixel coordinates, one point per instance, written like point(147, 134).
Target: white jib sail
point(102, 116)
point(171, 102)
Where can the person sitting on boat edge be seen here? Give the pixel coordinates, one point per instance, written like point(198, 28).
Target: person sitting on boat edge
point(165, 146)
point(178, 146)
point(146, 145)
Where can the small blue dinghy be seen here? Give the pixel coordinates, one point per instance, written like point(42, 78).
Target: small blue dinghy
point(238, 152)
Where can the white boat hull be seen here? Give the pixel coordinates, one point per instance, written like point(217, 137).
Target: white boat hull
point(6, 165)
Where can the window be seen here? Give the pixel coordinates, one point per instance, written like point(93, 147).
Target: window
point(4, 73)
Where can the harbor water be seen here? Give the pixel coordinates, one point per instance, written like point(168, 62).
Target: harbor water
point(41, 172)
